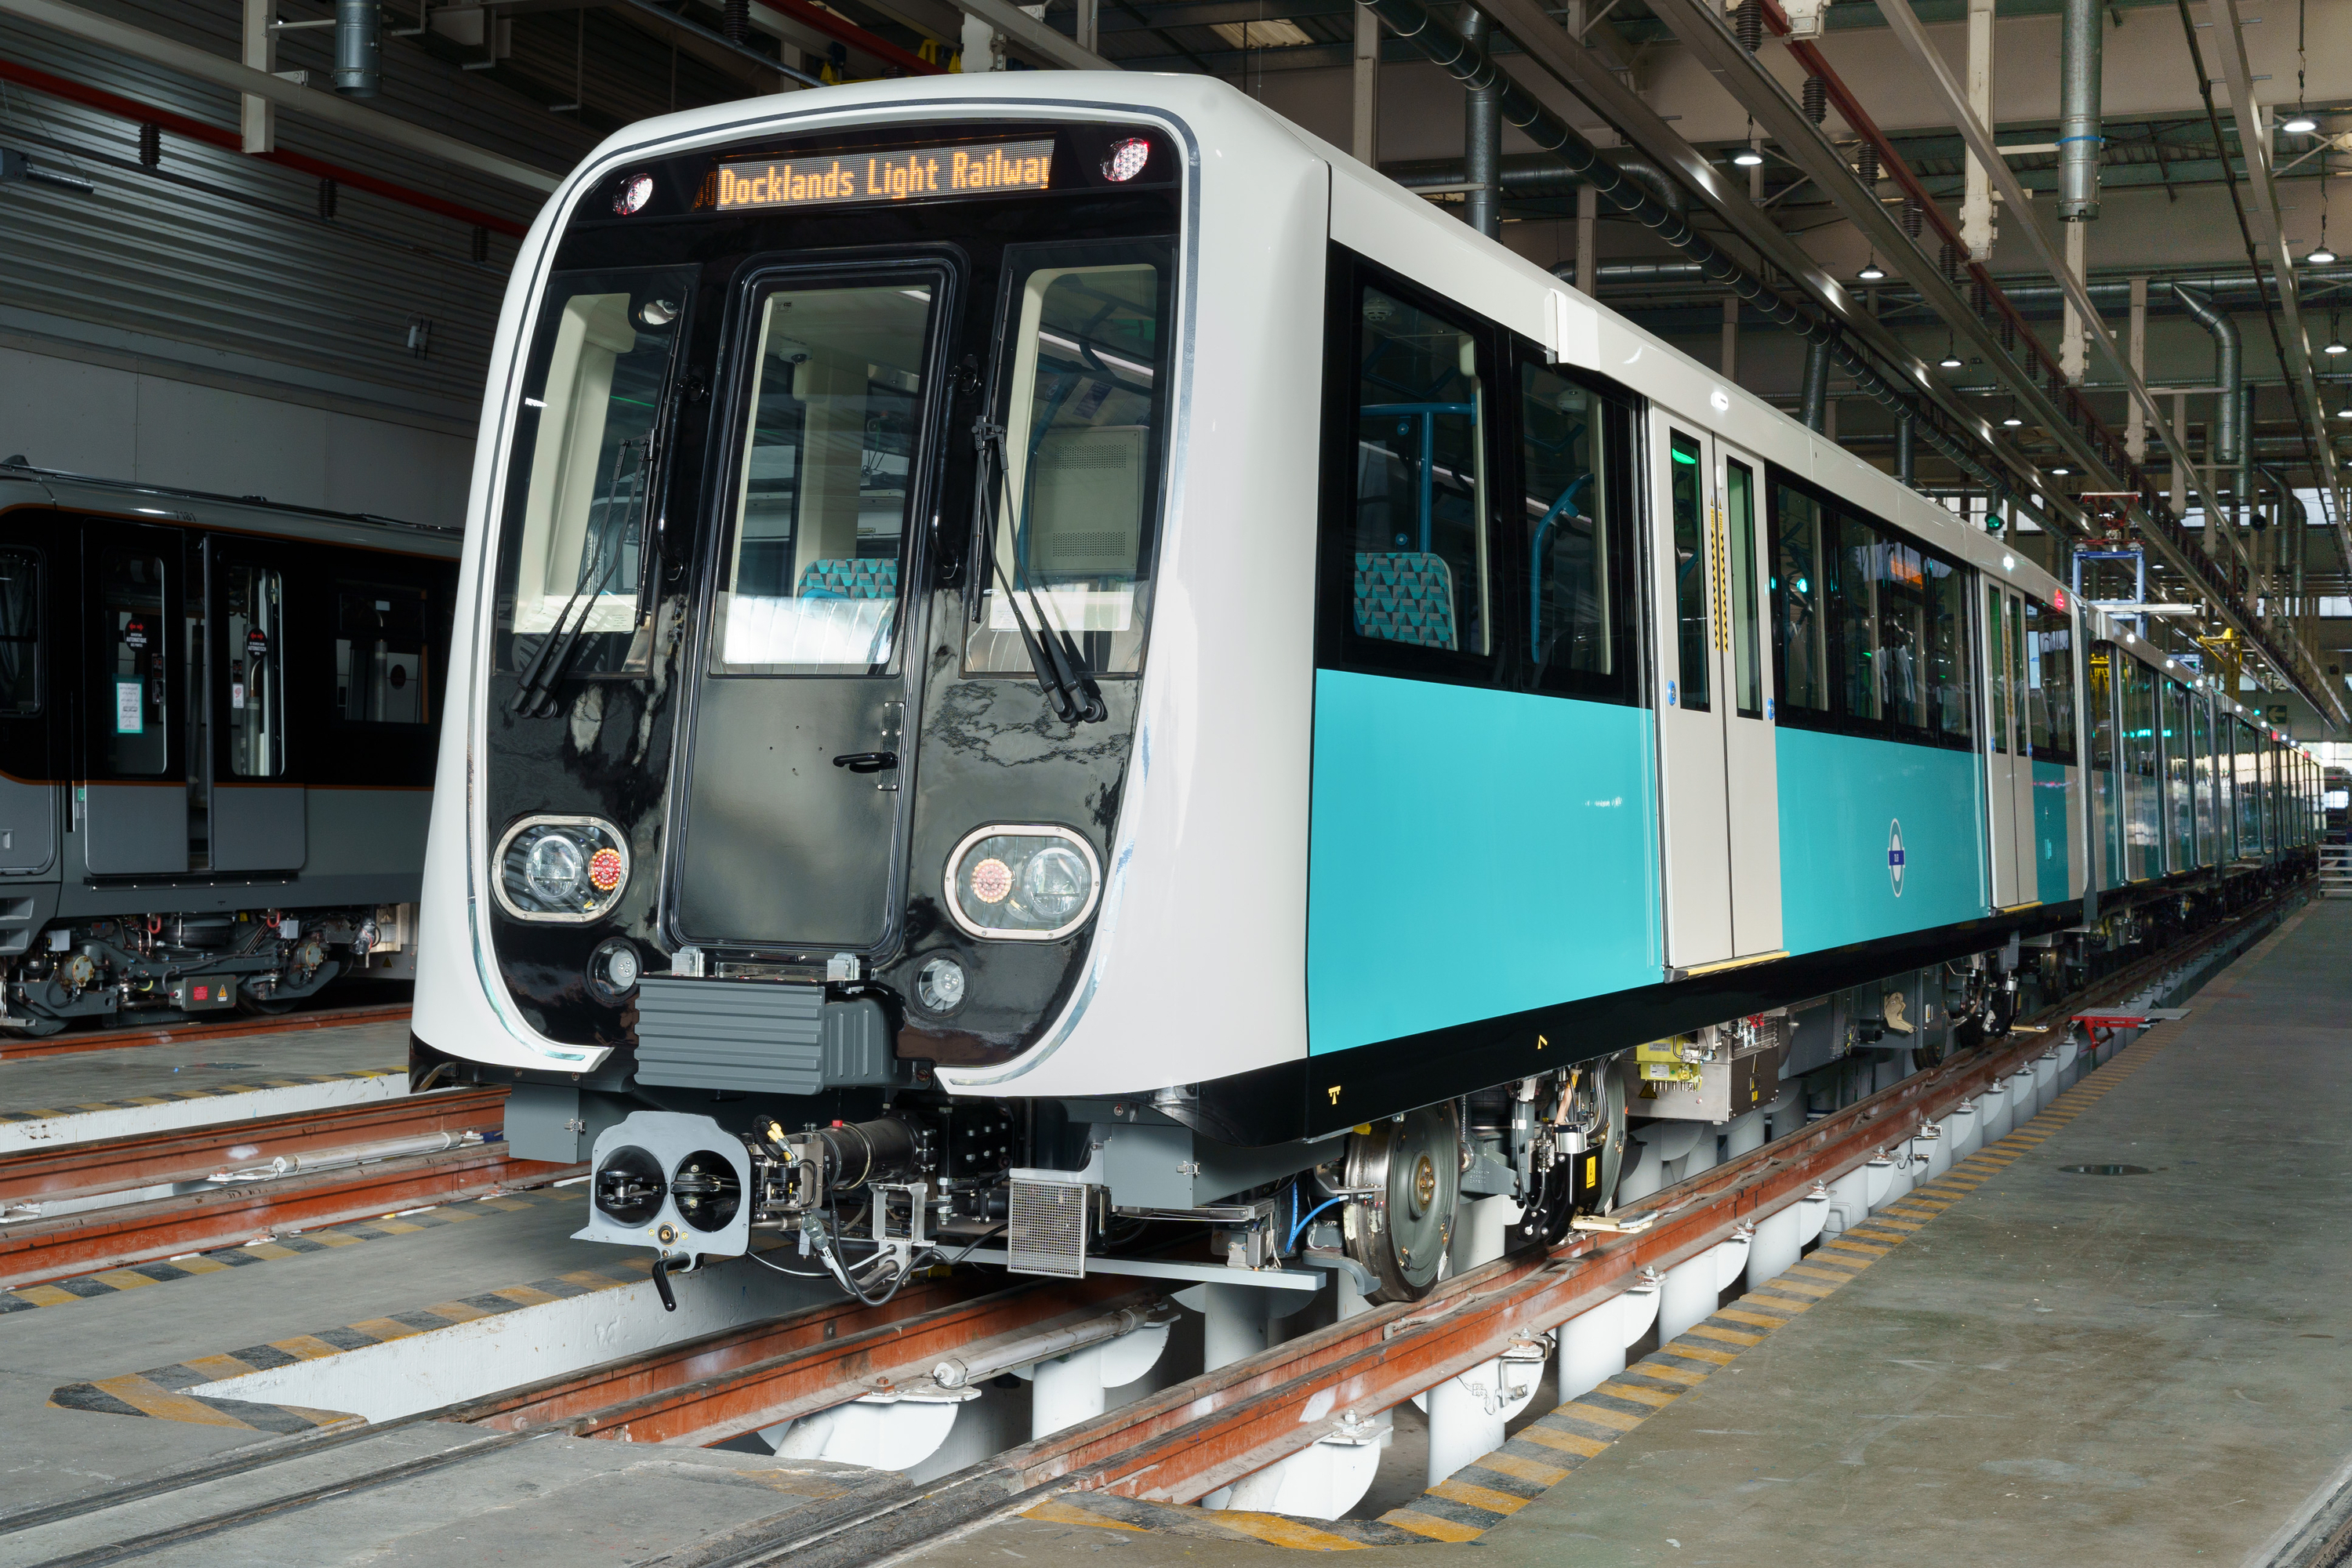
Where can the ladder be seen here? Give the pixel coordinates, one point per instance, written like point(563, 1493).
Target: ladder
point(2336, 870)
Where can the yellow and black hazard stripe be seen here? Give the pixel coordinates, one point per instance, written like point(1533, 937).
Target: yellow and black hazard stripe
point(138, 1275)
point(162, 1392)
point(172, 1096)
point(1550, 1449)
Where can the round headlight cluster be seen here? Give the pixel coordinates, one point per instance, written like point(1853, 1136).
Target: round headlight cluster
point(1023, 884)
point(567, 869)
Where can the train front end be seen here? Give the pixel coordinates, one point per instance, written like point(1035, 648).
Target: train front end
point(827, 507)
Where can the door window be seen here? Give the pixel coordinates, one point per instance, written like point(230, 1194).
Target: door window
point(1079, 480)
point(1740, 517)
point(1948, 659)
point(1997, 661)
point(20, 634)
point(1902, 635)
point(834, 408)
point(1686, 493)
point(585, 457)
point(1420, 501)
point(380, 663)
point(252, 605)
point(133, 734)
point(1856, 591)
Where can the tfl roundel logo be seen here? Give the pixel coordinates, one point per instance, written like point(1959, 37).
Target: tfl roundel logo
point(1895, 855)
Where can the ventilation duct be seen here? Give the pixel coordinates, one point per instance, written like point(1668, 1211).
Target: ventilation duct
point(359, 48)
point(2078, 112)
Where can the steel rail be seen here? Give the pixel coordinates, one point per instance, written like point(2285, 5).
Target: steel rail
point(14, 1049)
point(38, 1250)
point(122, 1163)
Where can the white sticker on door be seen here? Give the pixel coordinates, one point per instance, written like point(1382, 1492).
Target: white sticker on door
point(130, 707)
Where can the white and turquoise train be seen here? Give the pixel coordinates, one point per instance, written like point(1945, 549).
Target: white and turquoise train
point(1047, 654)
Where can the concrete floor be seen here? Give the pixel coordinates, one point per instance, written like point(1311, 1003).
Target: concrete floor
point(2086, 1370)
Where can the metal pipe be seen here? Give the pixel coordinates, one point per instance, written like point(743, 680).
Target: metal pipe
point(1817, 383)
point(1482, 138)
point(1903, 469)
point(206, 65)
point(2228, 373)
point(2244, 450)
point(980, 1363)
point(1663, 185)
point(2078, 111)
point(359, 48)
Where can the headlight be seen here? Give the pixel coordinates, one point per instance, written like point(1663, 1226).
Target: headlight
point(1023, 884)
point(567, 869)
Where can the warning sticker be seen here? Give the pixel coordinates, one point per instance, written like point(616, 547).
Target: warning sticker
point(130, 707)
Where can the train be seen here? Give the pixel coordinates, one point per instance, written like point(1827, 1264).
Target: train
point(219, 720)
point(1053, 673)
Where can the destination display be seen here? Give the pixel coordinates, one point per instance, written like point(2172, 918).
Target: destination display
point(914, 174)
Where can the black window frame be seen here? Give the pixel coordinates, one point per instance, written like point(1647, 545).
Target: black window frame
point(1836, 511)
point(1509, 662)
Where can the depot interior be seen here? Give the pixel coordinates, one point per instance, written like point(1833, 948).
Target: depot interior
point(236, 292)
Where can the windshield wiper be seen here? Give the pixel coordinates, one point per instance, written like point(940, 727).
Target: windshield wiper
point(533, 696)
point(1062, 677)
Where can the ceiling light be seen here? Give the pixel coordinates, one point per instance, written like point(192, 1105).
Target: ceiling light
point(2012, 420)
point(1951, 360)
point(2335, 345)
point(2061, 473)
point(2321, 256)
point(1872, 271)
point(1748, 157)
point(2298, 124)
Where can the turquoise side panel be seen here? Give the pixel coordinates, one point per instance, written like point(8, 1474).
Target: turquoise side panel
point(1473, 854)
point(2050, 849)
point(1840, 798)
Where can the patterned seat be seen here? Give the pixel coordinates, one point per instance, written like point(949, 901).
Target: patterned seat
point(1404, 597)
point(850, 579)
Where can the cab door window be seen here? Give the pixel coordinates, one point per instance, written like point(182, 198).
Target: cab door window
point(20, 634)
point(380, 657)
point(253, 608)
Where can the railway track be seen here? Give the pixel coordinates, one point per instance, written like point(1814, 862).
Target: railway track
point(1174, 1446)
point(91, 1207)
point(15, 1049)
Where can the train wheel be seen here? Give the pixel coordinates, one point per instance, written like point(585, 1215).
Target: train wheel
point(1414, 1164)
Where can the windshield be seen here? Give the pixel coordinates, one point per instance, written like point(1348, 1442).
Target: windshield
point(582, 489)
point(1085, 411)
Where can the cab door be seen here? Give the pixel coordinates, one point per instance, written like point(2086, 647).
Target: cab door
point(1717, 769)
point(30, 803)
point(793, 818)
point(132, 806)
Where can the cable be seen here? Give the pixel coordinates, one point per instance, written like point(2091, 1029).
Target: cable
point(1303, 1224)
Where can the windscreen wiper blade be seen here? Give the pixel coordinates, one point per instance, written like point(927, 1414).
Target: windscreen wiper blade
point(554, 655)
point(1062, 677)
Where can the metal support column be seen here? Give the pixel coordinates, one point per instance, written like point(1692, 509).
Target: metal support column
point(1482, 138)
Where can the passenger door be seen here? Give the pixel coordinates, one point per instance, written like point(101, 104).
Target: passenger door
point(257, 818)
point(135, 795)
point(793, 813)
point(2008, 769)
point(1720, 789)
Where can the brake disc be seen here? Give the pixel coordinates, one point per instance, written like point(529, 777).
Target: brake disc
point(1414, 1165)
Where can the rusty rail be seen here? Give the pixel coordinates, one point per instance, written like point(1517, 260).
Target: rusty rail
point(23, 1048)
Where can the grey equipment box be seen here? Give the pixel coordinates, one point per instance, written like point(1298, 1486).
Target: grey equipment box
point(759, 1037)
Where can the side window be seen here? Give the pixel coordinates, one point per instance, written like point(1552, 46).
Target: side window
point(130, 596)
point(1997, 662)
point(1419, 496)
point(2050, 681)
point(1948, 653)
point(20, 634)
point(380, 657)
point(254, 606)
point(1856, 591)
point(576, 534)
point(1572, 441)
point(1695, 629)
point(1800, 629)
point(1902, 636)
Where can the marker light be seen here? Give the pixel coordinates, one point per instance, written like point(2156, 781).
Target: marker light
point(635, 192)
point(1126, 160)
point(2009, 563)
point(1022, 883)
point(564, 870)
